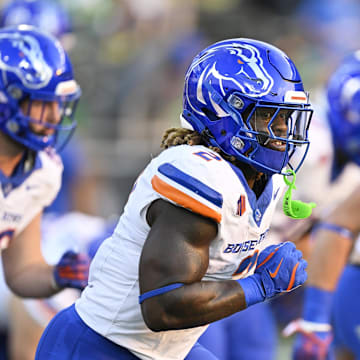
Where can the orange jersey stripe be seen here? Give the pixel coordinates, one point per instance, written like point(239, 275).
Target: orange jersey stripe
point(183, 199)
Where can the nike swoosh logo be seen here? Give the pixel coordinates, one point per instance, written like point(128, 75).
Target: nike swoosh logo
point(273, 274)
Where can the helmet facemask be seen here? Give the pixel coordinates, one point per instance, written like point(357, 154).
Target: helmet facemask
point(45, 129)
point(263, 134)
point(272, 134)
point(33, 125)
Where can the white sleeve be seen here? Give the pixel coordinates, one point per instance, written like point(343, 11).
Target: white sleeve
point(190, 178)
point(50, 176)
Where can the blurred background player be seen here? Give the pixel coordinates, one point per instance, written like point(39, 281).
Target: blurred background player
point(38, 101)
point(326, 314)
point(77, 187)
point(74, 231)
point(39, 97)
point(244, 114)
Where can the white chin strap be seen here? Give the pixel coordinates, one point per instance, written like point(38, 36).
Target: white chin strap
point(185, 124)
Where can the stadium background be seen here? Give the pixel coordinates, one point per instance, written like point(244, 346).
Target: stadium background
point(130, 57)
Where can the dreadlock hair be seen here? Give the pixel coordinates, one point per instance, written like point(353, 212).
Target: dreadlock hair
point(181, 136)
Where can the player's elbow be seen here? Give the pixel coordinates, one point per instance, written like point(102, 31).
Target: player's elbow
point(154, 324)
point(156, 319)
point(14, 287)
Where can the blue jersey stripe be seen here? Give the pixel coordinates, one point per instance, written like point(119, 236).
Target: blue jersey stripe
point(191, 183)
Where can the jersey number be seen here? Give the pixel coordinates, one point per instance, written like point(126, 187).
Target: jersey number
point(207, 156)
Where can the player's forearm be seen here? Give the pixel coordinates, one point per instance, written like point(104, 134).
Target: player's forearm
point(34, 280)
point(328, 259)
point(193, 305)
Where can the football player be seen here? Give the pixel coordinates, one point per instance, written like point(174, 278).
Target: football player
point(191, 245)
point(60, 233)
point(38, 97)
point(77, 191)
point(328, 314)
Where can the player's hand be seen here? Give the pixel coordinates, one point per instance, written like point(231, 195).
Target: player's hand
point(280, 268)
point(72, 270)
point(312, 341)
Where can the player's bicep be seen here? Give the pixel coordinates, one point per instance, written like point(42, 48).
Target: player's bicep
point(177, 247)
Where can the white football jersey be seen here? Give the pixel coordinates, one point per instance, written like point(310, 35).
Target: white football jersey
point(197, 179)
point(21, 199)
point(25, 195)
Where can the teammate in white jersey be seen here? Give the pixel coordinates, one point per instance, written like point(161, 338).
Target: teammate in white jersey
point(191, 247)
point(38, 96)
point(27, 318)
point(327, 313)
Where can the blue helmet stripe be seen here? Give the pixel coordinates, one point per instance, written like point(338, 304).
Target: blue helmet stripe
point(191, 183)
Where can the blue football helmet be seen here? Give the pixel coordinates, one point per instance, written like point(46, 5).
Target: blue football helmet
point(47, 15)
point(343, 112)
point(35, 67)
point(246, 97)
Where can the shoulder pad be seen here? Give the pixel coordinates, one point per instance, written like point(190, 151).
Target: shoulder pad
point(189, 176)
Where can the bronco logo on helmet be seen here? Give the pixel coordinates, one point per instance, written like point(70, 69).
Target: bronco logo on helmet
point(30, 67)
point(247, 66)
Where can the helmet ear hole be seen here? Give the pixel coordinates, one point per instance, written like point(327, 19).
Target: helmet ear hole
point(210, 114)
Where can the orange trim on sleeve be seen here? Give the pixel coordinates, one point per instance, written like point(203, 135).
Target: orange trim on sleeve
point(292, 279)
point(183, 199)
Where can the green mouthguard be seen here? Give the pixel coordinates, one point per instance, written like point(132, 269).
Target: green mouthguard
point(295, 209)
